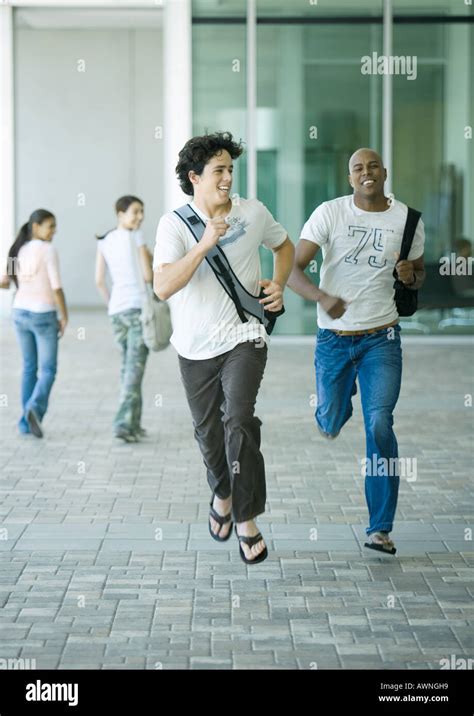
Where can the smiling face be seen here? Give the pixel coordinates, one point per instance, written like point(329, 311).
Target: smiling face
point(214, 184)
point(133, 217)
point(367, 174)
point(44, 231)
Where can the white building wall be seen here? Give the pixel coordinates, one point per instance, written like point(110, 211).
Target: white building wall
point(84, 138)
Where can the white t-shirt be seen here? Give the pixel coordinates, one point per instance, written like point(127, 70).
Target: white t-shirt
point(119, 249)
point(205, 320)
point(38, 276)
point(358, 259)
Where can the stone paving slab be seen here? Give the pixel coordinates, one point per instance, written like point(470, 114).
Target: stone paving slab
point(105, 557)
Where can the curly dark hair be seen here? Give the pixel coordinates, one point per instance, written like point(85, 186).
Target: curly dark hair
point(198, 151)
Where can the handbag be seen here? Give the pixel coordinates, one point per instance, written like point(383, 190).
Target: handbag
point(244, 301)
point(155, 314)
point(406, 299)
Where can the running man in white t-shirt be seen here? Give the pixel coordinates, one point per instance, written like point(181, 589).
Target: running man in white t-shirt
point(221, 358)
point(359, 336)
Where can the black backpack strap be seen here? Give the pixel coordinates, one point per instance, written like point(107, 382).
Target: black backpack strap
point(413, 217)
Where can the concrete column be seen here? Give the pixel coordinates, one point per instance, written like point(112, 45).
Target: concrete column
point(290, 171)
point(177, 80)
point(7, 160)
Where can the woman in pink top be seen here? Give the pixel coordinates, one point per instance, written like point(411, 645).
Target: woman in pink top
point(33, 268)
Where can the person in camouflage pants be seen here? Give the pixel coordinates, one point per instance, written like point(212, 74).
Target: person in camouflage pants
point(128, 334)
point(123, 254)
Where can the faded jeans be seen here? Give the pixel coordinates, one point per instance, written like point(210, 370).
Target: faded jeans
point(37, 335)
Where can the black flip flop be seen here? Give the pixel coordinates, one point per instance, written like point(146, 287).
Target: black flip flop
point(380, 548)
point(250, 541)
point(222, 520)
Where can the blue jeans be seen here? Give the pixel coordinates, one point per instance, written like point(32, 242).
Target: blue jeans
point(376, 360)
point(38, 338)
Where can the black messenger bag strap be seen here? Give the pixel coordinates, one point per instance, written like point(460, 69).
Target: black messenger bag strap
point(219, 263)
point(216, 258)
point(227, 277)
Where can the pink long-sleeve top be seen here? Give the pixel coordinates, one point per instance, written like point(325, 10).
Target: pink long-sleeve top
point(38, 276)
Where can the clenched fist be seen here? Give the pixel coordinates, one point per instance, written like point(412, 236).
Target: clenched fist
point(335, 307)
point(215, 228)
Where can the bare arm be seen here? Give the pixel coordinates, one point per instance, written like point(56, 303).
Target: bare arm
point(170, 278)
point(298, 281)
point(60, 301)
point(145, 263)
point(302, 285)
point(100, 277)
point(283, 262)
point(282, 265)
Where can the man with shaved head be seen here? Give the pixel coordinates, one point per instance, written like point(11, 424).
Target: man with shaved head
point(358, 334)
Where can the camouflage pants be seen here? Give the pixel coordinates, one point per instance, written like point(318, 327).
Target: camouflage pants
point(128, 335)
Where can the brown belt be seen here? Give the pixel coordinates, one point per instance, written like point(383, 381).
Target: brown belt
point(363, 331)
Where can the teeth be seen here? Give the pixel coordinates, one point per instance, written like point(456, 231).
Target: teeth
point(367, 181)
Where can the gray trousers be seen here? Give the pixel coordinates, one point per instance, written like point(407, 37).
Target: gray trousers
point(221, 394)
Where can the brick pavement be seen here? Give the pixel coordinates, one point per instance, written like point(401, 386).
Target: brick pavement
point(105, 557)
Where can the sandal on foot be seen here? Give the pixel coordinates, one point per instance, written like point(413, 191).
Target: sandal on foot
point(34, 424)
point(380, 542)
point(250, 541)
point(126, 435)
point(222, 520)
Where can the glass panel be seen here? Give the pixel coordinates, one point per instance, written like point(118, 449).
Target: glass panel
point(219, 84)
point(314, 9)
point(433, 164)
point(213, 8)
point(341, 8)
point(319, 8)
point(315, 108)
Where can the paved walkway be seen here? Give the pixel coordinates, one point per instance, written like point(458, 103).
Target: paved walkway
point(105, 557)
